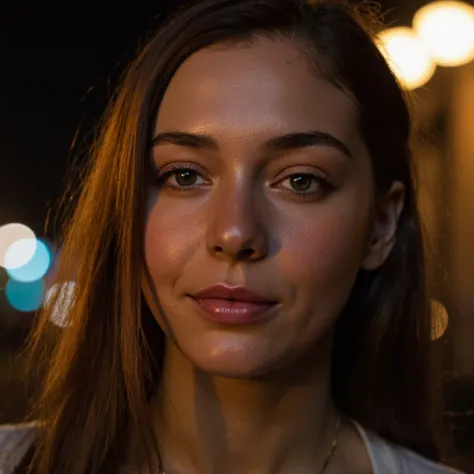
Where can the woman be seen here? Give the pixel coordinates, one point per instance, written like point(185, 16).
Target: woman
point(248, 260)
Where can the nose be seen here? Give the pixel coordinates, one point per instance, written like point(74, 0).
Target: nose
point(237, 233)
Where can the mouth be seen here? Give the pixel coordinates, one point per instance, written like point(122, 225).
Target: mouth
point(228, 305)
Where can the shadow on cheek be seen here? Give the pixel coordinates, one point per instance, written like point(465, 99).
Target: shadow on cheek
point(154, 304)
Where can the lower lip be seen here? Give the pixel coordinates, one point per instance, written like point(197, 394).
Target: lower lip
point(233, 312)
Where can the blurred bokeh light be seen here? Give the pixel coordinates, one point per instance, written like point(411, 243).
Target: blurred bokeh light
point(25, 297)
point(439, 320)
point(446, 29)
point(35, 268)
point(11, 233)
point(407, 56)
point(63, 301)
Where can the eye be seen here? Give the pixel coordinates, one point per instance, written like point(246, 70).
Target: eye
point(184, 177)
point(181, 178)
point(304, 183)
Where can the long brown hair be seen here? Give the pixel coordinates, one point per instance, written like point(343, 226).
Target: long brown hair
point(102, 368)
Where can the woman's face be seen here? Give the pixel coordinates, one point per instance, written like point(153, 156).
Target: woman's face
point(291, 220)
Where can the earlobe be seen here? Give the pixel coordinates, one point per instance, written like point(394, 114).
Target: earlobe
point(384, 227)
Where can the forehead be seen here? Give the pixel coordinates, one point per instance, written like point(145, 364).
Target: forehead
point(254, 90)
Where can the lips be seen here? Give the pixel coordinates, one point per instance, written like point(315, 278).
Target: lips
point(238, 293)
point(223, 304)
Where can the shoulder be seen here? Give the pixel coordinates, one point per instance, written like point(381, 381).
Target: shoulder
point(411, 462)
point(388, 458)
point(16, 442)
point(416, 463)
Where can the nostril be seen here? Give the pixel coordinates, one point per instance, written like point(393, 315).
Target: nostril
point(242, 254)
point(246, 253)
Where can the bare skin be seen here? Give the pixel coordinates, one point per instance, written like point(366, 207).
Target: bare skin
point(256, 398)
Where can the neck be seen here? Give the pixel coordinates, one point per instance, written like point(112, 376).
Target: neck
point(280, 423)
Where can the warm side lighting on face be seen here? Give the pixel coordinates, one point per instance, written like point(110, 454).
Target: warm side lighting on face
point(446, 29)
point(406, 56)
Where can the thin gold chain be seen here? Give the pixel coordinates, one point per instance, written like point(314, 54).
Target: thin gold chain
point(333, 445)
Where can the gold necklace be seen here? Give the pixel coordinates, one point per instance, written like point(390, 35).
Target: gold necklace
point(333, 445)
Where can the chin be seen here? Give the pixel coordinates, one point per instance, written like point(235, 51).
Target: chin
point(236, 363)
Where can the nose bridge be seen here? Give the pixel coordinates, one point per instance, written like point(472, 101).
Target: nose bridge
point(237, 230)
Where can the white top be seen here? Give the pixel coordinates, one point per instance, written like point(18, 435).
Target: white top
point(15, 442)
point(386, 458)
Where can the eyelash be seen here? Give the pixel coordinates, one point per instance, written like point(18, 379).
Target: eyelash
point(327, 187)
point(173, 169)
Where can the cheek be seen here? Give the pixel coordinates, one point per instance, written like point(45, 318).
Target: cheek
point(171, 240)
point(323, 255)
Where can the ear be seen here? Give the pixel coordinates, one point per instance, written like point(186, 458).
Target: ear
point(384, 227)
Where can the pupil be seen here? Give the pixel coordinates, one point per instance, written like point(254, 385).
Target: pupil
point(186, 178)
point(300, 182)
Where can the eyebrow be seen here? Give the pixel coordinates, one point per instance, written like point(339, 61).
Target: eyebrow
point(291, 141)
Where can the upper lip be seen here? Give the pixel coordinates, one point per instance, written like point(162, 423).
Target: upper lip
point(236, 293)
